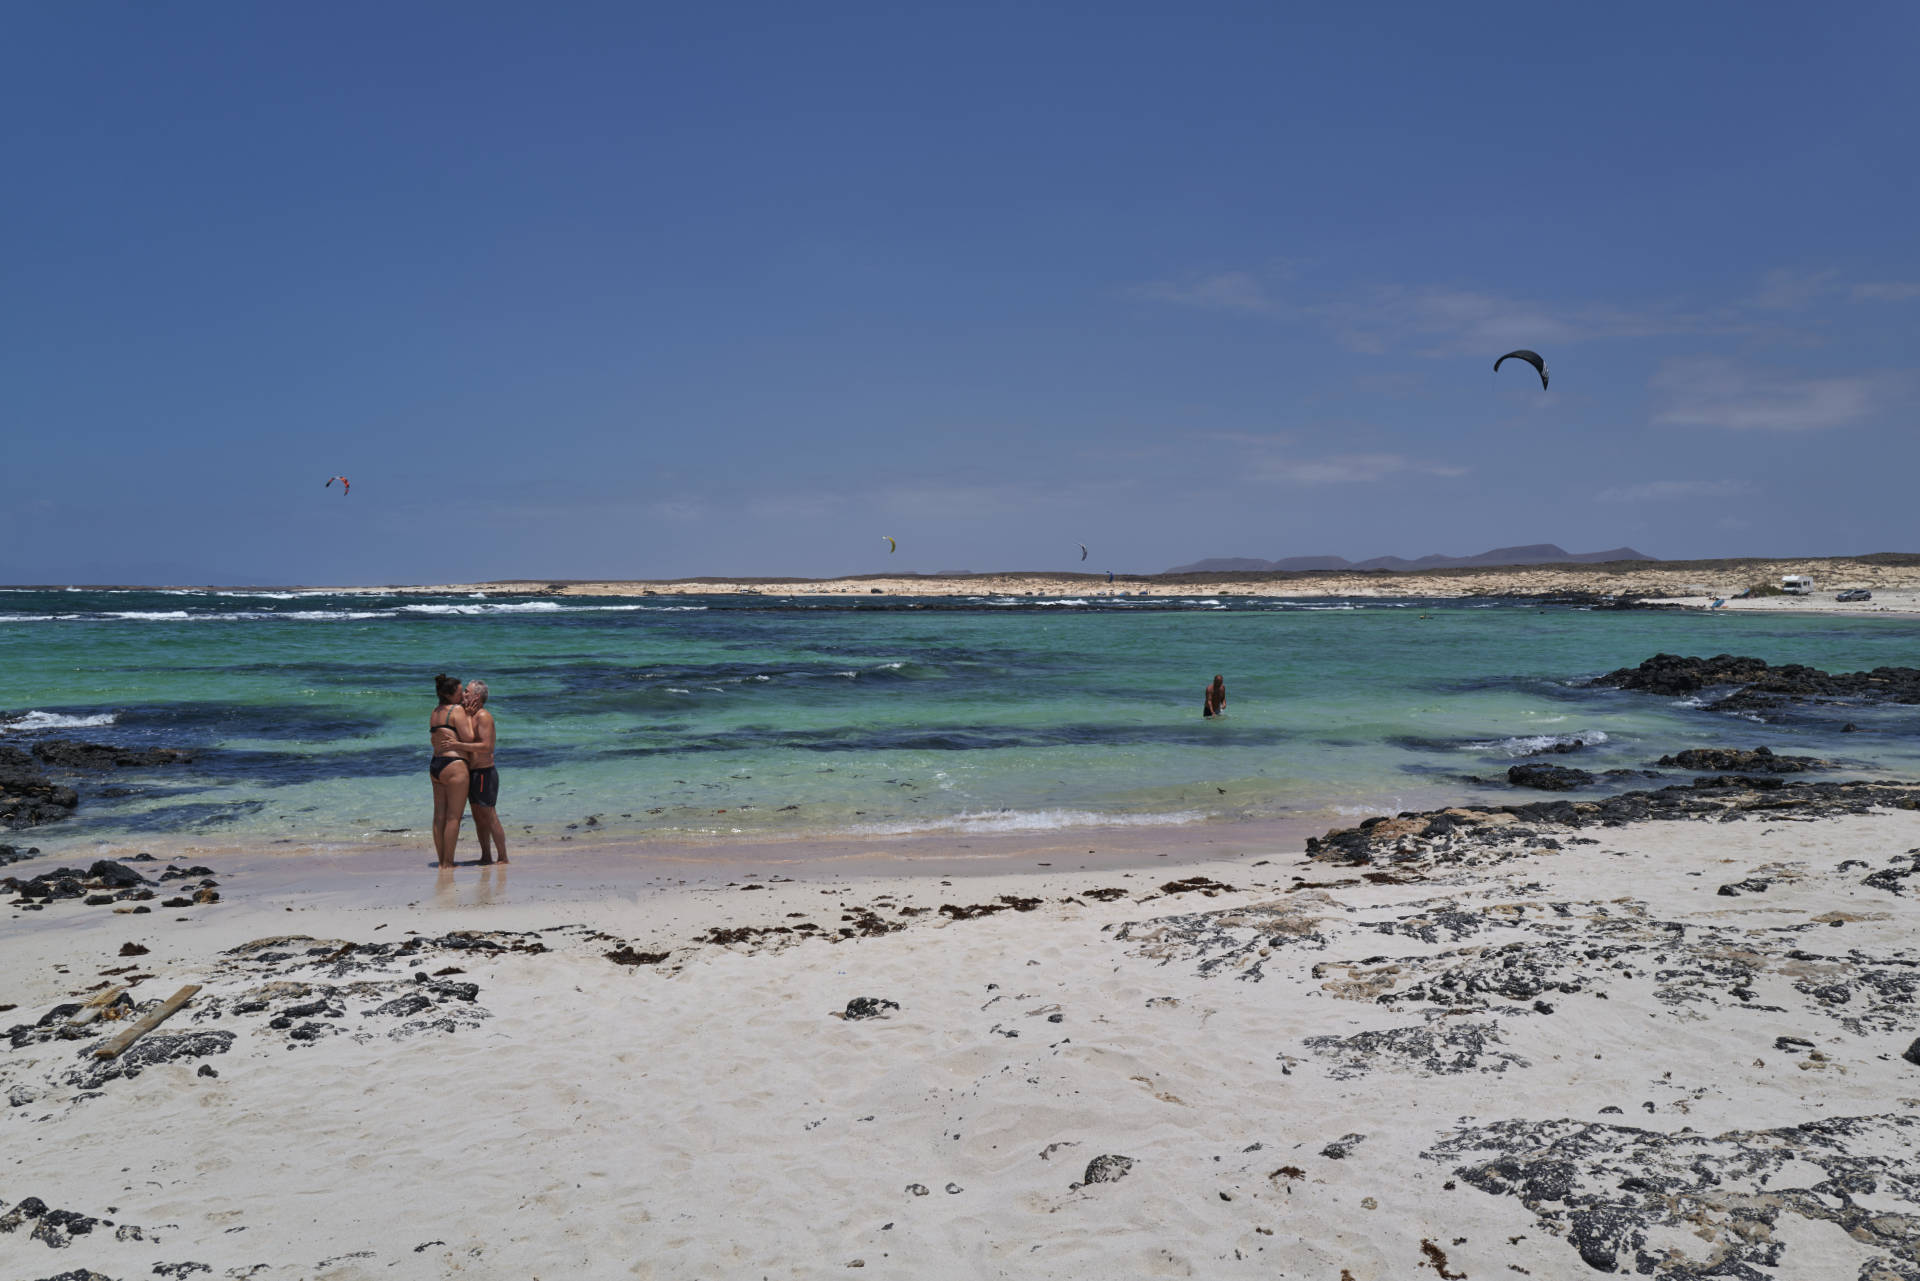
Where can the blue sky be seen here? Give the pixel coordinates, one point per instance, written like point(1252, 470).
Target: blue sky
point(649, 291)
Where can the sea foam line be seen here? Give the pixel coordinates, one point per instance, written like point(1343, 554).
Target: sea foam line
point(35, 720)
point(1532, 744)
point(1030, 821)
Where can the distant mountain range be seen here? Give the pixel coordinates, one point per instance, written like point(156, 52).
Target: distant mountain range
point(1532, 554)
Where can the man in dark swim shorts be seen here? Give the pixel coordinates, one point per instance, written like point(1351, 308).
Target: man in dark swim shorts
point(483, 792)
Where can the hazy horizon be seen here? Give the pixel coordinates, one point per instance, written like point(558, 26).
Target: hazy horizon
point(699, 575)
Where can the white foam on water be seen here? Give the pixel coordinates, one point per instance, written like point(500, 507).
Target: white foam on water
point(1030, 821)
point(1534, 744)
point(321, 615)
point(544, 607)
point(54, 720)
point(1383, 810)
point(333, 615)
point(518, 607)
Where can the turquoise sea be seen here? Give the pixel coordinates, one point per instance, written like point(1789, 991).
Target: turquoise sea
point(679, 717)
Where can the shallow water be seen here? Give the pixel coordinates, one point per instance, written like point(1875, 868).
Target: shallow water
point(701, 717)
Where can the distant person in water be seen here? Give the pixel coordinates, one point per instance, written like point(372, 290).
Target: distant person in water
point(1216, 697)
point(447, 728)
point(484, 792)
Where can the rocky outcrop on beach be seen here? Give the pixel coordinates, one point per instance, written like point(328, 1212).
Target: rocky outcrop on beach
point(289, 991)
point(1759, 685)
point(63, 753)
point(1759, 760)
point(27, 797)
point(1549, 778)
point(110, 883)
point(1463, 831)
point(1614, 1191)
point(1480, 955)
point(55, 1228)
point(10, 854)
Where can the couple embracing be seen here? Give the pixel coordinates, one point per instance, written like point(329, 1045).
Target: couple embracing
point(461, 732)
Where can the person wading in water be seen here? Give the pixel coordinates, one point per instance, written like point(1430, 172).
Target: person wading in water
point(1216, 697)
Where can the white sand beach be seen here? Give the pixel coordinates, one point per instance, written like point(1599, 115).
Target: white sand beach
point(1450, 1060)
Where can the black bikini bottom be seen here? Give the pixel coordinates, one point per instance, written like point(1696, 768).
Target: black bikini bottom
point(439, 763)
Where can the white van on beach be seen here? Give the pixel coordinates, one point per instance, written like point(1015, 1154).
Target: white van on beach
point(1796, 585)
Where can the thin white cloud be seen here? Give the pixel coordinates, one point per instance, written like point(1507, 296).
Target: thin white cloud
point(1447, 322)
point(1785, 290)
point(1222, 291)
point(957, 501)
point(1349, 469)
point(1886, 291)
point(1711, 391)
point(1459, 322)
point(807, 505)
point(677, 509)
point(1654, 491)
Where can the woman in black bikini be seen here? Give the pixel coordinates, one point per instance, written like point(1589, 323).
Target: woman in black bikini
point(447, 725)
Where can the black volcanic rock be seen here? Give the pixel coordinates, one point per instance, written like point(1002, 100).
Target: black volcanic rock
point(1760, 760)
point(65, 753)
point(1110, 1168)
point(1673, 676)
point(1548, 778)
point(869, 1007)
point(1413, 836)
point(1760, 684)
point(115, 876)
point(27, 798)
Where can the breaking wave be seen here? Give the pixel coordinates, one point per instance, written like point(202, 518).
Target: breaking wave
point(36, 720)
point(1029, 821)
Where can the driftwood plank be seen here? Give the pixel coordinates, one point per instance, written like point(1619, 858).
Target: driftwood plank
point(117, 1046)
point(95, 1006)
